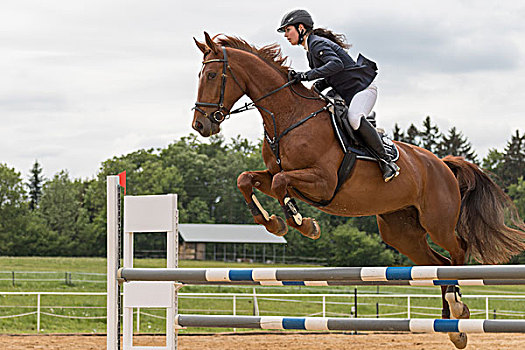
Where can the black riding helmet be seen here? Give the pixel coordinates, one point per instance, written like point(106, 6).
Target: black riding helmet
point(296, 17)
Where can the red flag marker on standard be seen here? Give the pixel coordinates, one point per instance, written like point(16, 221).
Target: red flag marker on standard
point(122, 180)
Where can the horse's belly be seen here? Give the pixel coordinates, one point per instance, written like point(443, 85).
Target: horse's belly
point(365, 193)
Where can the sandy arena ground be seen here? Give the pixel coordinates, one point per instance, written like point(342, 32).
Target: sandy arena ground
point(275, 341)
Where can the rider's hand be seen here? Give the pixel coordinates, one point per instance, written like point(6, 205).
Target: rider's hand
point(296, 76)
point(320, 85)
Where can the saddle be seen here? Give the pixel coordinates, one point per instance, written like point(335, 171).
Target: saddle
point(351, 144)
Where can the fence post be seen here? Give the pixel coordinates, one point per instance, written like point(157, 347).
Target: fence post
point(38, 313)
point(324, 305)
point(255, 303)
point(486, 308)
point(355, 302)
point(138, 320)
point(13, 274)
point(234, 308)
point(408, 306)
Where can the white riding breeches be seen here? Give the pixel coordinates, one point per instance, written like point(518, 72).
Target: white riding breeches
point(361, 105)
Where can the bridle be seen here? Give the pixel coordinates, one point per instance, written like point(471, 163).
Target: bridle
point(219, 116)
point(222, 112)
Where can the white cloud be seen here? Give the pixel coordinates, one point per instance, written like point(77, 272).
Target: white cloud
point(83, 81)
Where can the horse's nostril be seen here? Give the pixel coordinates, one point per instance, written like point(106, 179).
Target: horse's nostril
point(198, 125)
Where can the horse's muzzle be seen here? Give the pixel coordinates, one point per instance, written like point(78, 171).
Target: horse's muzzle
point(205, 127)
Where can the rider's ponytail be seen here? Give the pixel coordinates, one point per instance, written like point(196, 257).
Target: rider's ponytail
point(339, 39)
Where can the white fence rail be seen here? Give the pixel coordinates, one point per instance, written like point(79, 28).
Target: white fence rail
point(15, 278)
point(406, 304)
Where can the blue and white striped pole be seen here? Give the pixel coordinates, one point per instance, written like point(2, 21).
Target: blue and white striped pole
point(352, 324)
point(417, 283)
point(367, 274)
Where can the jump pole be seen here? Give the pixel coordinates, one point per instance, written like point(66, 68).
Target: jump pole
point(413, 283)
point(368, 274)
point(353, 324)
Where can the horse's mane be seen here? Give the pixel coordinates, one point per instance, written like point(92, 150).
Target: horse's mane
point(271, 53)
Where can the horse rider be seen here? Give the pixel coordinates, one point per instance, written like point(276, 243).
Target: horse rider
point(333, 66)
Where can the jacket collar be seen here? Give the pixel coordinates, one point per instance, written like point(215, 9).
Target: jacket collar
point(307, 41)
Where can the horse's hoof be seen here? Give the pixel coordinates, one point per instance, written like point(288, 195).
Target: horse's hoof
point(465, 313)
point(315, 230)
point(459, 340)
point(281, 228)
point(458, 309)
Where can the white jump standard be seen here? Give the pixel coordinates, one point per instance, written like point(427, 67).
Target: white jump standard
point(141, 214)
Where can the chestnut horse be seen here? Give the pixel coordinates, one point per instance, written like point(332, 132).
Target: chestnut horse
point(451, 200)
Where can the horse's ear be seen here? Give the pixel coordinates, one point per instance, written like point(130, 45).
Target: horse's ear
point(211, 44)
point(201, 46)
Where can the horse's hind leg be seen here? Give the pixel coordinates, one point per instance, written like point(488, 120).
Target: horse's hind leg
point(402, 230)
point(440, 223)
point(262, 180)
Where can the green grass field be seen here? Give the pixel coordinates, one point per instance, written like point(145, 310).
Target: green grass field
point(90, 318)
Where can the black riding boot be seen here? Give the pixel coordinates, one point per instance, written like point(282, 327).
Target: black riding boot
point(370, 136)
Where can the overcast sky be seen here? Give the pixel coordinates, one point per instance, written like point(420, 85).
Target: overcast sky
point(83, 81)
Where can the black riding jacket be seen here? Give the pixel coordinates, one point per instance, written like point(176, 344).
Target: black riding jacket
point(331, 62)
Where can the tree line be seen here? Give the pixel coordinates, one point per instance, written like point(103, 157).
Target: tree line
point(62, 216)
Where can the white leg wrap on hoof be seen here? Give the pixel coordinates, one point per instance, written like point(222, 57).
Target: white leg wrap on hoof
point(261, 209)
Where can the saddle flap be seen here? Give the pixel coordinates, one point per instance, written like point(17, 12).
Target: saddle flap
point(342, 126)
point(349, 141)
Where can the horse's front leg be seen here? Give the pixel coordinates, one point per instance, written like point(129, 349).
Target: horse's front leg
point(309, 181)
point(261, 180)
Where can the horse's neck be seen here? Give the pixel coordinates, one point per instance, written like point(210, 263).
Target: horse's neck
point(286, 107)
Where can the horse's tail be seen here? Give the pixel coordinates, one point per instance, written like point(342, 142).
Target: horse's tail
point(484, 208)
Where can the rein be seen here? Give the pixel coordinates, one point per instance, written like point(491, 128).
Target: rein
point(219, 116)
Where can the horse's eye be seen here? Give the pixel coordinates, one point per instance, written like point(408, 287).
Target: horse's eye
point(211, 75)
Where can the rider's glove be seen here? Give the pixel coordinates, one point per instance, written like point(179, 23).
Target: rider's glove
point(296, 76)
point(321, 85)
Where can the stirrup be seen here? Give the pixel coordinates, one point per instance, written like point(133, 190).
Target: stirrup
point(390, 171)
